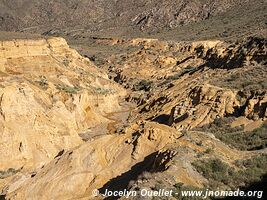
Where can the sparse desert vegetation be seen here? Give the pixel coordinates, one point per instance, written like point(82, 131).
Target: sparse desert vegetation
point(68, 89)
point(237, 137)
point(109, 96)
point(251, 79)
point(219, 173)
point(8, 173)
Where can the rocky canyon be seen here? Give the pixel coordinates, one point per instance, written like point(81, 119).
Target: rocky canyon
point(100, 96)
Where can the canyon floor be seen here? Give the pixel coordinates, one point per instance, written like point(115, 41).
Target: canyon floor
point(107, 109)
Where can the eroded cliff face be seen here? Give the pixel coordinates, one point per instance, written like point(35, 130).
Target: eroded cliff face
point(49, 94)
point(190, 84)
point(56, 105)
point(76, 173)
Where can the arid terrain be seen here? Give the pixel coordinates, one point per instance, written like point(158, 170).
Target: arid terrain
point(131, 95)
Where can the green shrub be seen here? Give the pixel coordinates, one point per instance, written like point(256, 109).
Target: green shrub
point(8, 173)
point(212, 169)
point(143, 85)
point(236, 137)
point(179, 187)
point(208, 150)
point(246, 80)
point(219, 173)
point(68, 89)
point(66, 62)
point(104, 91)
point(43, 83)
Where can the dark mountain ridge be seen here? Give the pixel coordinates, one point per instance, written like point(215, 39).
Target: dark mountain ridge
point(105, 15)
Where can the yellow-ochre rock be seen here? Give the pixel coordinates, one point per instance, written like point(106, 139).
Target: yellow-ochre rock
point(90, 166)
point(48, 95)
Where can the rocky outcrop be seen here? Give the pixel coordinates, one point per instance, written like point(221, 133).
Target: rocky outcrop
point(203, 106)
point(180, 83)
point(55, 104)
point(76, 173)
point(207, 103)
point(48, 95)
point(172, 164)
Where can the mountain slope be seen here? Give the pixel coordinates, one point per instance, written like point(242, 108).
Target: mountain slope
point(98, 15)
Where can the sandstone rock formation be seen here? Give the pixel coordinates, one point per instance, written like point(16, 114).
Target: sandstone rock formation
point(76, 173)
point(186, 88)
point(57, 113)
point(173, 163)
point(49, 94)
